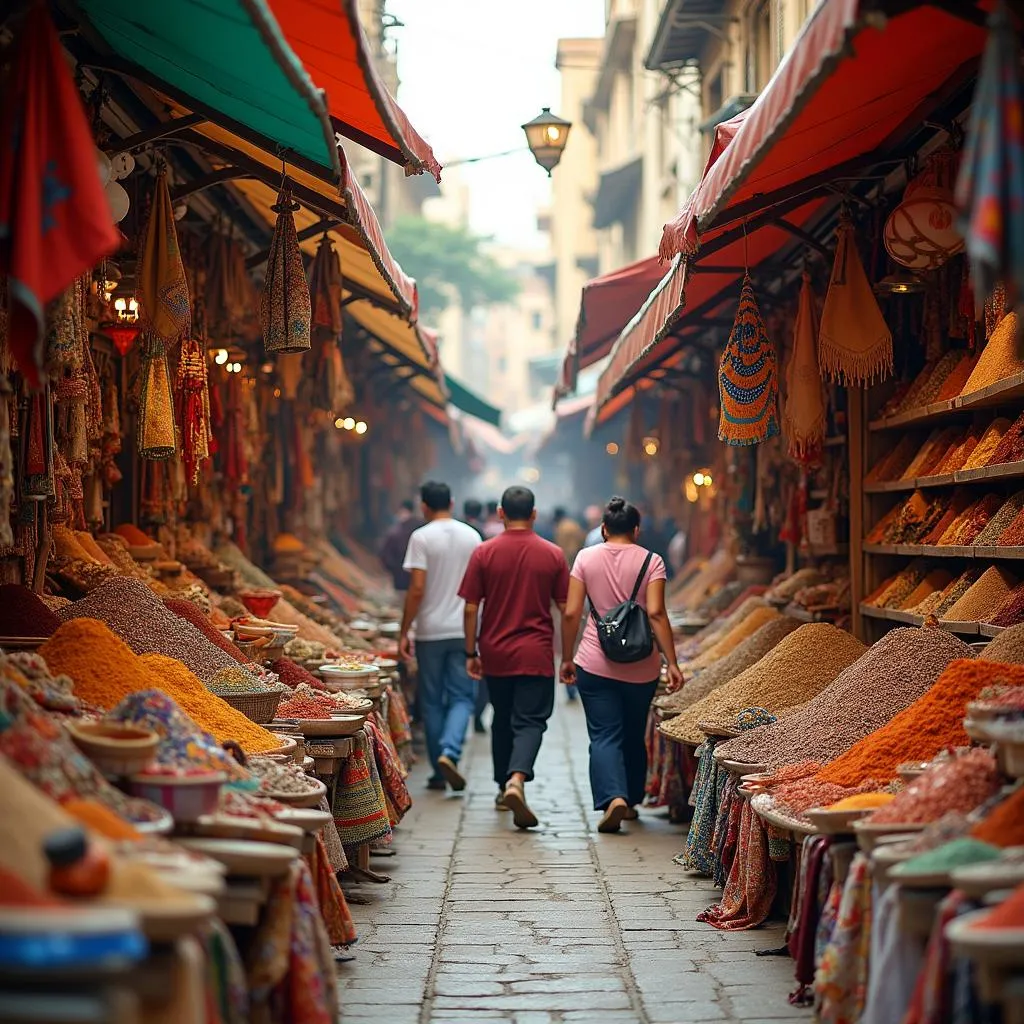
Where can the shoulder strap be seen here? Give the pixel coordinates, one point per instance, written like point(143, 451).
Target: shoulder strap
point(640, 578)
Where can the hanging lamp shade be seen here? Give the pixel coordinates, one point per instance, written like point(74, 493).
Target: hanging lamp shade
point(165, 306)
point(854, 344)
point(748, 383)
point(921, 233)
point(285, 307)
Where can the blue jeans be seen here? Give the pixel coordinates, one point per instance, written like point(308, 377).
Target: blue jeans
point(447, 697)
point(616, 722)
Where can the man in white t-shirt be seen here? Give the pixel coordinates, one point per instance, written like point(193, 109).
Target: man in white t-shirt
point(436, 561)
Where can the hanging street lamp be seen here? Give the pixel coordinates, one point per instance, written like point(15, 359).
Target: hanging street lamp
point(546, 136)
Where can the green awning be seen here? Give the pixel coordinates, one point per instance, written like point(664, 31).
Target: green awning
point(228, 60)
point(471, 403)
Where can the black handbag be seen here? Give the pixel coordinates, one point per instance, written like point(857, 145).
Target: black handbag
point(625, 633)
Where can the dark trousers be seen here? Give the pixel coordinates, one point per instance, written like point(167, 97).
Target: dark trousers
point(522, 706)
point(616, 722)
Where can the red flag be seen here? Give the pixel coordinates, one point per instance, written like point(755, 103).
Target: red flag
point(55, 221)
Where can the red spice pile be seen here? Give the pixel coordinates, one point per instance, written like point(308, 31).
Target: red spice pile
point(188, 611)
point(1009, 913)
point(22, 613)
point(292, 674)
point(307, 707)
point(1004, 826)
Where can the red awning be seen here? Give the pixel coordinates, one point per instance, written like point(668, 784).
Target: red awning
point(327, 37)
point(853, 82)
point(606, 306)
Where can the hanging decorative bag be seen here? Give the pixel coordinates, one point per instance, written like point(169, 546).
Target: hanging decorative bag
point(748, 383)
point(285, 309)
point(803, 419)
point(156, 406)
point(193, 408)
point(333, 391)
point(854, 344)
point(164, 304)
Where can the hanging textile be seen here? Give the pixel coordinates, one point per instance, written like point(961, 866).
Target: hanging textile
point(748, 383)
point(6, 463)
point(854, 343)
point(285, 307)
point(67, 335)
point(803, 420)
point(164, 304)
point(55, 221)
point(230, 296)
point(333, 390)
point(193, 408)
point(990, 189)
point(156, 407)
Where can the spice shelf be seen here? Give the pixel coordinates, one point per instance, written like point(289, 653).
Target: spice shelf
point(1003, 471)
point(987, 629)
point(1003, 392)
point(1000, 472)
point(1004, 553)
point(913, 417)
point(912, 619)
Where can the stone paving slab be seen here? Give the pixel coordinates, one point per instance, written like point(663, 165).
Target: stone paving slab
point(555, 926)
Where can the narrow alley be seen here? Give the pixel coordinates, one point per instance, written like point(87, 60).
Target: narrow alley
point(483, 923)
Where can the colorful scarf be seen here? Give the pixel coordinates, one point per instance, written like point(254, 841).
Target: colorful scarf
point(803, 420)
point(55, 220)
point(164, 303)
point(285, 307)
point(748, 382)
point(855, 344)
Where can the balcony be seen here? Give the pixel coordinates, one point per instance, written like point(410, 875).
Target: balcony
point(683, 31)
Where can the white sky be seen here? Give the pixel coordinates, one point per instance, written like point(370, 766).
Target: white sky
point(472, 72)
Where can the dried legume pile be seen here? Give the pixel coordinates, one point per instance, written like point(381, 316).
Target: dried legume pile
point(931, 724)
point(890, 675)
point(1011, 611)
point(293, 675)
point(22, 613)
point(233, 558)
point(235, 680)
point(1004, 824)
point(714, 631)
point(793, 798)
point(934, 583)
point(1008, 647)
point(1013, 535)
point(788, 588)
point(910, 398)
point(142, 621)
point(191, 613)
point(958, 503)
point(954, 592)
point(940, 374)
point(304, 650)
point(915, 518)
point(975, 521)
point(752, 650)
point(958, 455)
point(1008, 511)
point(983, 599)
point(932, 452)
point(999, 357)
point(281, 778)
point(1011, 447)
point(896, 590)
point(985, 448)
point(286, 612)
point(728, 643)
point(797, 668)
point(947, 443)
point(960, 784)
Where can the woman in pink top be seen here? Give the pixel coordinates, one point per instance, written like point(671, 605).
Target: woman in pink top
point(616, 697)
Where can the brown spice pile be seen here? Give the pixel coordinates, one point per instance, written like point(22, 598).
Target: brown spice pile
point(982, 600)
point(1008, 647)
point(796, 669)
point(999, 359)
point(887, 678)
point(989, 442)
point(1007, 513)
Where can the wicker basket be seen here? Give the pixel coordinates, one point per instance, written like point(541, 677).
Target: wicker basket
point(258, 707)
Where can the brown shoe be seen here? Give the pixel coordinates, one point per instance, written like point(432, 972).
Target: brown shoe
point(450, 770)
point(515, 801)
point(614, 815)
point(632, 814)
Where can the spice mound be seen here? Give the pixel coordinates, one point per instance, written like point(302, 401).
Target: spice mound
point(1004, 824)
point(22, 613)
point(281, 778)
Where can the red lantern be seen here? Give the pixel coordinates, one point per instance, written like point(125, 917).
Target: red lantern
point(123, 336)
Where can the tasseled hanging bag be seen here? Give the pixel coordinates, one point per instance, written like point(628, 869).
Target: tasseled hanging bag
point(156, 405)
point(748, 382)
point(193, 408)
point(855, 343)
point(285, 308)
point(803, 419)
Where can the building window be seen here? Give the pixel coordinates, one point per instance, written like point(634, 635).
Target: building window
point(536, 320)
point(715, 92)
point(760, 45)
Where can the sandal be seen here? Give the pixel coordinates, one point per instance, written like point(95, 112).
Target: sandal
point(614, 815)
point(515, 801)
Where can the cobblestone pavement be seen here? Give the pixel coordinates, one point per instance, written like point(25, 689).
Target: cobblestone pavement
point(484, 923)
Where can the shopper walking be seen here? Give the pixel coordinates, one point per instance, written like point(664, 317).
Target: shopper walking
point(517, 577)
point(616, 695)
point(568, 534)
point(436, 562)
point(396, 543)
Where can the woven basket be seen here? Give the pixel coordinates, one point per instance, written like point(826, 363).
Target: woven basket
point(257, 707)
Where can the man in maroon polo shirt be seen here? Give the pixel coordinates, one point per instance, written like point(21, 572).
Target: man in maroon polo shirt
point(517, 577)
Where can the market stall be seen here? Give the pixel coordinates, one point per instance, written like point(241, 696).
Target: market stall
point(202, 734)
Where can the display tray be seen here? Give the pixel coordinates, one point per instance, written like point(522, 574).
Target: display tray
point(165, 921)
point(886, 855)
point(920, 414)
point(1010, 757)
point(242, 857)
point(868, 834)
point(1002, 947)
point(741, 768)
point(305, 819)
point(892, 614)
point(310, 799)
point(987, 629)
point(761, 803)
point(21, 643)
point(228, 826)
point(1009, 389)
point(962, 628)
point(834, 823)
point(320, 726)
point(978, 880)
point(976, 730)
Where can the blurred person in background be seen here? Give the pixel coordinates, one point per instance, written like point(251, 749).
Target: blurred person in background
point(569, 535)
point(396, 541)
point(492, 524)
point(473, 515)
point(593, 520)
point(436, 561)
point(617, 695)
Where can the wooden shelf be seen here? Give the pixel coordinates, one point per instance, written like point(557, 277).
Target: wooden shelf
point(1004, 553)
point(987, 629)
point(910, 619)
point(1002, 471)
point(1003, 392)
point(912, 417)
point(963, 628)
point(935, 550)
point(881, 549)
point(885, 486)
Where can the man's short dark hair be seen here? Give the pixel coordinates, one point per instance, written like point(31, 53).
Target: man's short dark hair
point(436, 496)
point(559, 515)
point(407, 505)
point(518, 504)
point(492, 508)
point(472, 509)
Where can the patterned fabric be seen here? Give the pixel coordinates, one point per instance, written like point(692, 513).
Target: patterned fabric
point(226, 973)
point(285, 307)
point(990, 189)
point(810, 898)
point(854, 342)
point(840, 984)
point(803, 419)
point(359, 809)
point(156, 406)
point(931, 1001)
point(389, 767)
point(341, 929)
point(751, 885)
point(748, 381)
point(165, 308)
point(697, 855)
